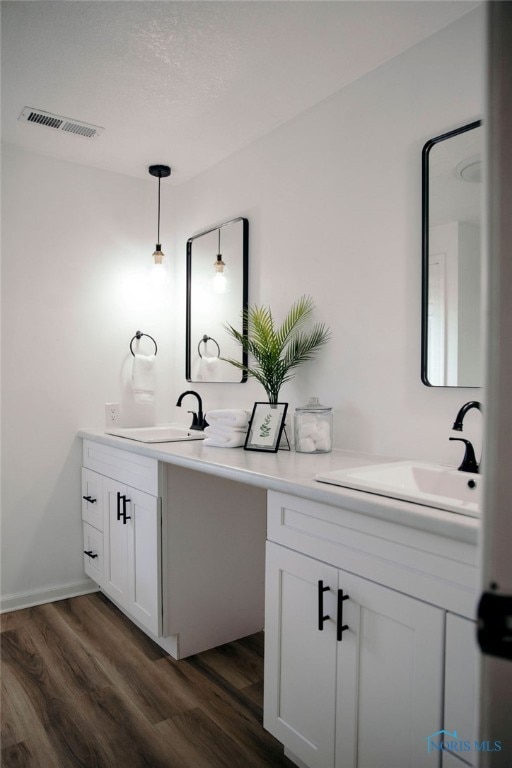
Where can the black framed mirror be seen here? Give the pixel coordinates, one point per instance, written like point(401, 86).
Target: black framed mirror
point(217, 293)
point(451, 349)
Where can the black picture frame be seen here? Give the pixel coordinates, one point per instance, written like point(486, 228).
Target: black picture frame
point(266, 427)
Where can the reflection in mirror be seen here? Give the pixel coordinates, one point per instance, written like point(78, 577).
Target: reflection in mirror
point(217, 293)
point(451, 291)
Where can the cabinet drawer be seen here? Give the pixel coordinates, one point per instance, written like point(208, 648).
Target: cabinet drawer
point(92, 498)
point(93, 562)
point(137, 471)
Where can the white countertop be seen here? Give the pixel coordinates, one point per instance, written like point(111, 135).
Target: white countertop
point(294, 473)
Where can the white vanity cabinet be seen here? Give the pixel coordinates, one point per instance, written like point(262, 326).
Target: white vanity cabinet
point(358, 697)
point(354, 666)
point(181, 552)
point(122, 530)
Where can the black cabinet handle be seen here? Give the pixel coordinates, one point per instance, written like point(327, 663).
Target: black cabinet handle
point(89, 499)
point(123, 513)
point(340, 627)
point(90, 553)
point(321, 617)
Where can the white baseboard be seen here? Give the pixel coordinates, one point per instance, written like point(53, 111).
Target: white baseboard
point(38, 597)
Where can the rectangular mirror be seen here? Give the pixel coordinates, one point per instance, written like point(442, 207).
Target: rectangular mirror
point(451, 253)
point(217, 293)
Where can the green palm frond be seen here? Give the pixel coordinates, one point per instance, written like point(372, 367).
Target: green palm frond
point(277, 351)
point(295, 319)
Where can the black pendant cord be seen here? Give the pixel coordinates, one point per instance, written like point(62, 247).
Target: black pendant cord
point(160, 172)
point(158, 235)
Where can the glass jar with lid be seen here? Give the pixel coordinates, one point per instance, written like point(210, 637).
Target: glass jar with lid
point(313, 427)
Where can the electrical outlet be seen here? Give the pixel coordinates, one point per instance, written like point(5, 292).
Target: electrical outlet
point(112, 411)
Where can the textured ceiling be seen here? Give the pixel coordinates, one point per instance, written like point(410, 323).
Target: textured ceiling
point(189, 83)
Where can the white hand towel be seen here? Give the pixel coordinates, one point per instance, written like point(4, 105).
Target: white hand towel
point(234, 417)
point(143, 378)
point(235, 441)
point(223, 430)
point(208, 368)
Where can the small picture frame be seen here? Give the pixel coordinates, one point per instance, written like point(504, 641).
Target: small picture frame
point(266, 427)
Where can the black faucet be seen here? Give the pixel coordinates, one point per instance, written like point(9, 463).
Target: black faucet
point(469, 462)
point(198, 420)
point(457, 424)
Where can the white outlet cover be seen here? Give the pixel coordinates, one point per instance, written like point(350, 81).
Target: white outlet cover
point(112, 411)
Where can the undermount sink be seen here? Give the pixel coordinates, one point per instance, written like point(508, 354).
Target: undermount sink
point(430, 484)
point(163, 433)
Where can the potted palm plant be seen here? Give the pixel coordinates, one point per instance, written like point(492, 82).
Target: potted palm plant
point(278, 351)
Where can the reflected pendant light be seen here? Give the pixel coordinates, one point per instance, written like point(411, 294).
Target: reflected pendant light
point(219, 280)
point(161, 172)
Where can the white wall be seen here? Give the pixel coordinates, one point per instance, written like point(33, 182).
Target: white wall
point(333, 200)
point(334, 205)
point(75, 245)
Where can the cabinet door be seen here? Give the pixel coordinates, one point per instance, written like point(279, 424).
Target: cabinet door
point(115, 541)
point(144, 560)
point(92, 498)
point(390, 674)
point(300, 660)
point(461, 682)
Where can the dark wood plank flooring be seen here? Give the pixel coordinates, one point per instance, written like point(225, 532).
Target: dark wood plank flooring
point(82, 686)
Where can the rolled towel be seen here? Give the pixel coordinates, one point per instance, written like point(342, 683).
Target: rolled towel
point(143, 378)
point(306, 445)
point(233, 417)
point(309, 429)
point(323, 443)
point(236, 440)
point(324, 427)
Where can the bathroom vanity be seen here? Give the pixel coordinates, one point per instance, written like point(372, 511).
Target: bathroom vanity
point(180, 552)
point(368, 603)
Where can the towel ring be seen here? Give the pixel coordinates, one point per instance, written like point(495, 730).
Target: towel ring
point(139, 335)
point(204, 341)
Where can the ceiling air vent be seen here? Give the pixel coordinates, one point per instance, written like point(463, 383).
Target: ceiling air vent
point(59, 123)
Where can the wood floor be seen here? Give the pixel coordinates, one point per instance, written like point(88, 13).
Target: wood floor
point(82, 686)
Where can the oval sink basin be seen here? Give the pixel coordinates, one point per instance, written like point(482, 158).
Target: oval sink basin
point(163, 433)
point(430, 484)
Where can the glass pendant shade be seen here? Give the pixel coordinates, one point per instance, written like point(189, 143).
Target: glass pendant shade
point(158, 254)
point(220, 283)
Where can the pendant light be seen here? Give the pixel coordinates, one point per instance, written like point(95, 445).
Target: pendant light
point(219, 280)
point(158, 261)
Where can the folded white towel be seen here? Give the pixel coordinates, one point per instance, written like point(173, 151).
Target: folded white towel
point(234, 417)
point(143, 378)
point(223, 430)
point(236, 440)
